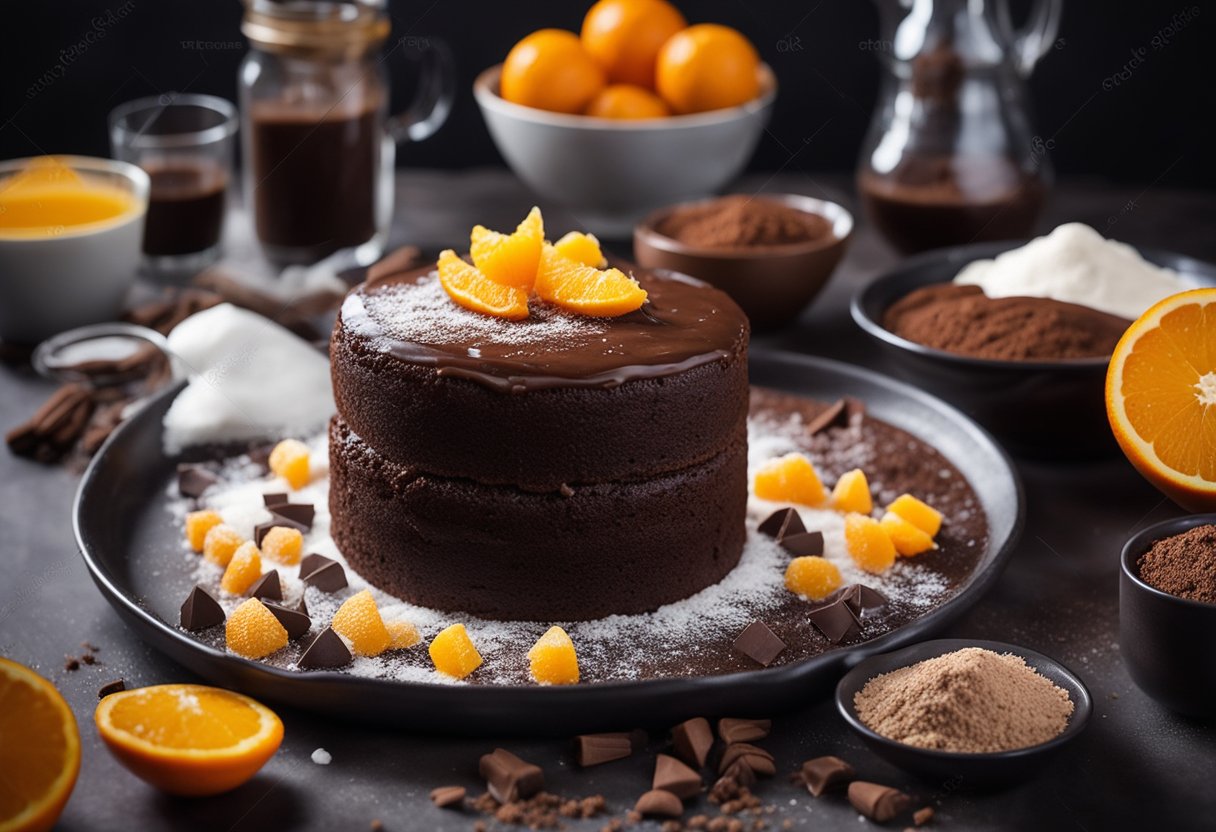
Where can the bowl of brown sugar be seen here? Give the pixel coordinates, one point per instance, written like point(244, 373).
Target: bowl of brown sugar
point(772, 253)
point(1167, 613)
point(976, 714)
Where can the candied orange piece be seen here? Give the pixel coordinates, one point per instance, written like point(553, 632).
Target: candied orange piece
point(789, 479)
point(283, 544)
point(252, 630)
point(600, 293)
point(812, 577)
point(553, 659)
point(243, 570)
point(852, 493)
point(453, 652)
point(509, 259)
point(919, 514)
point(908, 539)
point(581, 248)
point(359, 621)
point(220, 543)
point(289, 460)
point(401, 634)
point(471, 289)
point(867, 542)
point(198, 523)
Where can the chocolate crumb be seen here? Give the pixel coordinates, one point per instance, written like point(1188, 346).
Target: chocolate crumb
point(89, 658)
point(878, 802)
point(116, 686)
point(377, 825)
point(446, 797)
point(70, 663)
point(922, 816)
point(566, 491)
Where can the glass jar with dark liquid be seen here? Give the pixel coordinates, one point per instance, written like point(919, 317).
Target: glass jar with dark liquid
point(950, 157)
point(318, 141)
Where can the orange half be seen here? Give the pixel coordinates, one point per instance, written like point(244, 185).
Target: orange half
point(1161, 397)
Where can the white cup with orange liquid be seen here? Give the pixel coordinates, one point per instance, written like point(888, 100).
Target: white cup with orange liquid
point(70, 234)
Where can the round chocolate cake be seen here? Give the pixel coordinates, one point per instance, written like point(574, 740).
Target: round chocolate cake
point(556, 468)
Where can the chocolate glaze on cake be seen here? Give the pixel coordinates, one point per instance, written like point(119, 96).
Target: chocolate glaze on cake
point(561, 467)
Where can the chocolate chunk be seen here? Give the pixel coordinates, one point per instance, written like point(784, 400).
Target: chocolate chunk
point(193, 480)
point(757, 759)
point(509, 778)
point(759, 643)
point(89, 658)
point(922, 816)
point(744, 730)
point(739, 773)
point(294, 622)
point(878, 803)
point(860, 597)
point(692, 740)
point(446, 797)
point(200, 611)
point(836, 620)
point(835, 416)
point(325, 574)
point(302, 606)
point(71, 663)
point(116, 686)
point(782, 522)
point(268, 587)
point(566, 491)
point(296, 515)
point(327, 650)
point(803, 543)
point(260, 531)
point(274, 498)
point(658, 803)
point(824, 774)
point(260, 455)
point(596, 749)
point(673, 776)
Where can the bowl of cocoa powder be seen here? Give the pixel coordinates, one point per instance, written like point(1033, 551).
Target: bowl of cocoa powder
point(1167, 613)
point(976, 714)
point(772, 253)
point(1031, 370)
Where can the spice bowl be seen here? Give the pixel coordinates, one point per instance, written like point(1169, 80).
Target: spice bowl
point(1167, 641)
point(772, 284)
point(976, 772)
point(1045, 409)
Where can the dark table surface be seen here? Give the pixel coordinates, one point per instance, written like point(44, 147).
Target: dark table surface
point(1137, 766)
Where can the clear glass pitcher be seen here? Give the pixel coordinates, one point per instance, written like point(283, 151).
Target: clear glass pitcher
point(950, 157)
point(318, 141)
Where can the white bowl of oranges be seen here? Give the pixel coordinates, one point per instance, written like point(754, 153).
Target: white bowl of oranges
point(637, 111)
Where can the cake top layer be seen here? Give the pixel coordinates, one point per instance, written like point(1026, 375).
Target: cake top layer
point(685, 323)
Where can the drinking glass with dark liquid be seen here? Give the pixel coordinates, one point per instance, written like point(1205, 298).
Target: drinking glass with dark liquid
point(319, 142)
point(185, 144)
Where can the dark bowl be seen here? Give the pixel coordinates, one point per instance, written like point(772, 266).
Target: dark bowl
point(772, 284)
point(963, 771)
point(1168, 643)
point(1044, 409)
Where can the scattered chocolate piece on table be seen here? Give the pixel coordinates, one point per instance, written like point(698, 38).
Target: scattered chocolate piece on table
point(193, 480)
point(922, 816)
point(447, 797)
point(377, 825)
point(659, 803)
point(297, 515)
point(508, 778)
point(596, 749)
point(89, 658)
point(200, 611)
point(692, 740)
point(759, 643)
point(260, 455)
point(877, 802)
point(825, 774)
point(803, 543)
point(860, 597)
point(835, 416)
point(835, 619)
point(325, 574)
point(326, 651)
point(294, 622)
point(274, 498)
point(116, 686)
point(782, 522)
point(757, 759)
point(71, 663)
point(743, 730)
point(739, 773)
point(671, 775)
point(268, 587)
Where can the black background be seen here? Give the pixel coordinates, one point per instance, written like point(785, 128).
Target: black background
point(1149, 129)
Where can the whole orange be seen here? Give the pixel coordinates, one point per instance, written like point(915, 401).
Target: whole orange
point(626, 101)
point(707, 67)
point(624, 37)
point(550, 70)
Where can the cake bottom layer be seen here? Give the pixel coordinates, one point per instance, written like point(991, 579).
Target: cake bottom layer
point(501, 553)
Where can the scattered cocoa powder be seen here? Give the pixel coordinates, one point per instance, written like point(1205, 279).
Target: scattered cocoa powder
point(743, 221)
point(969, 701)
point(1183, 565)
point(962, 319)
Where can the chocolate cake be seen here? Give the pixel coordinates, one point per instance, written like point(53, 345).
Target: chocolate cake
point(557, 468)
